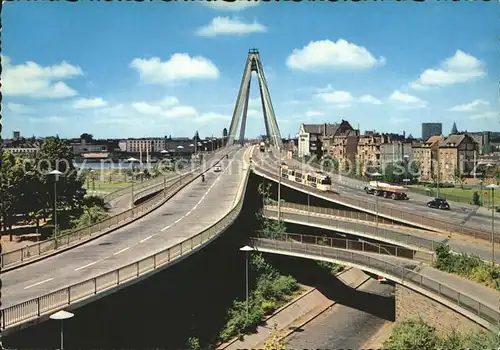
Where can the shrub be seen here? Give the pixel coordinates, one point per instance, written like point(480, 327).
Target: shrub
point(476, 199)
point(413, 334)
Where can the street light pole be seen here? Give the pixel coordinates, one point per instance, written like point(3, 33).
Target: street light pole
point(56, 174)
point(279, 188)
point(61, 315)
point(246, 249)
point(377, 174)
point(493, 187)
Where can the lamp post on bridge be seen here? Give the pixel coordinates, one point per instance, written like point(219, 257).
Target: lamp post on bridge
point(56, 174)
point(247, 250)
point(61, 315)
point(279, 186)
point(493, 187)
point(376, 175)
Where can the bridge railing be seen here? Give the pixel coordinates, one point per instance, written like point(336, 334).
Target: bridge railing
point(358, 245)
point(392, 234)
point(32, 251)
point(138, 186)
point(402, 273)
point(393, 213)
point(51, 302)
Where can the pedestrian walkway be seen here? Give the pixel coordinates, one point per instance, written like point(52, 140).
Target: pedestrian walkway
point(295, 314)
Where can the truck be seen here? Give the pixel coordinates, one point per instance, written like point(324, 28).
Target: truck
point(387, 190)
point(262, 146)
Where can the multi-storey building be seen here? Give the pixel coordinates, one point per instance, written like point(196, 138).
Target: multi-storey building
point(431, 129)
point(150, 145)
point(342, 147)
point(456, 152)
point(376, 149)
point(440, 155)
point(311, 137)
point(426, 154)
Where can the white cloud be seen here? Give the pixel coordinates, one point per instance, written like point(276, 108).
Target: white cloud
point(470, 107)
point(228, 26)
point(344, 99)
point(181, 111)
point(206, 117)
point(485, 115)
point(459, 68)
point(253, 113)
point(409, 101)
point(32, 80)
point(237, 5)
point(19, 108)
point(311, 114)
point(180, 66)
point(89, 103)
point(370, 99)
point(326, 54)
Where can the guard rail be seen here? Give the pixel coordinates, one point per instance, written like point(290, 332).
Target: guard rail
point(394, 214)
point(32, 309)
point(63, 241)
point(358, 245)
point(392, 234)
point(399, 274)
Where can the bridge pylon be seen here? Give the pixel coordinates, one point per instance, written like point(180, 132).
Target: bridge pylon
point(254, 64)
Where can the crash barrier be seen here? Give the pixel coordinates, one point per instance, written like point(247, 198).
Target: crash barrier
point(465, 304)
point(33, 309)
point(392, 234)
point(22, 256)
point(415, 219)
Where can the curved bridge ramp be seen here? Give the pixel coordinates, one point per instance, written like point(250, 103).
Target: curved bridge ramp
point(471, 300)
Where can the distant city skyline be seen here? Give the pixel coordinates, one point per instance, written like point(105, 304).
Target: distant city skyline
point(323, 63)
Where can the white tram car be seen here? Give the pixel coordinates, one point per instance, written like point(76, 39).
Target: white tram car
point(316, 179)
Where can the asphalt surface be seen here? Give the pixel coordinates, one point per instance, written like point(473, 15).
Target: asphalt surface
point(461, 213)
point(192, 210)
point(342, 327)
point(479, 248)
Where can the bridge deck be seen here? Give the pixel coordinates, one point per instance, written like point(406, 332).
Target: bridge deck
point(460, 213)
point(387, 234)
point(192, 210)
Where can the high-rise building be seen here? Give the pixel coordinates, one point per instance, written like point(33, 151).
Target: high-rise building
point(431, 129)
point(16, 134)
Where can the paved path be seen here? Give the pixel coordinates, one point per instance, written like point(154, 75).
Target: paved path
point(458, 243)
point(192, 210)
point(460, 213)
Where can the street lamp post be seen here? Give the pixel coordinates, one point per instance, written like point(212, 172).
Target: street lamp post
point(56, 174)
point(61, 315)
point(279, 187)
point(406, 159)
point(376, 174)
point(246, 249)
point(493, 187)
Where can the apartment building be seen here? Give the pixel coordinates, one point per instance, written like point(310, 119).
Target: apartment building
point(431, 129)
point(342, 147)
point(456, 152)
point(446, 154)
point(378, 149)
point(312, 136)
point(426, 154)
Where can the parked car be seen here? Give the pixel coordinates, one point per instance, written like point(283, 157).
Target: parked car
point(438, 203)
point(217, 168)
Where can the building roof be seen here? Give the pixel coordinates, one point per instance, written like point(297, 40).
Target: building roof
point(331, 129)
point(452, 141)
point(433, 139)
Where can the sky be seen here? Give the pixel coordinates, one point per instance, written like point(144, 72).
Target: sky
point(119, 70)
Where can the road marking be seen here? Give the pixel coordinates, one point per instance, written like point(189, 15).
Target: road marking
point(38, 283)
point(166, 228)
point(189, 212)
point(84, 266)
point(179, 219)
point(121, 251)
point(145, 239)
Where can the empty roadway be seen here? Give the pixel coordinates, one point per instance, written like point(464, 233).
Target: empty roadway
point(192, 210)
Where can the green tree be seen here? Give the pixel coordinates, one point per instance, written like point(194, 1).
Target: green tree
point(476, 200)
point(413, 334)
point(458, 176)
point(193, 343)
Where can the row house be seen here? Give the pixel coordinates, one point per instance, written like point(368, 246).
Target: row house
point(342, 147)
point(426, 154)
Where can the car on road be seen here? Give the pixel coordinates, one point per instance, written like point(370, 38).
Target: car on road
point(438, 203)
point(217, 169)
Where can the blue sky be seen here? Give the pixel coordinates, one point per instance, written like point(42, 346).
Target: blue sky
point(155, 69)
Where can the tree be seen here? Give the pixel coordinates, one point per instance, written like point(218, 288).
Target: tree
point(458, 176)
point(413, 334)
point(193, 343)
point(476, 199)
point(86, 137)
